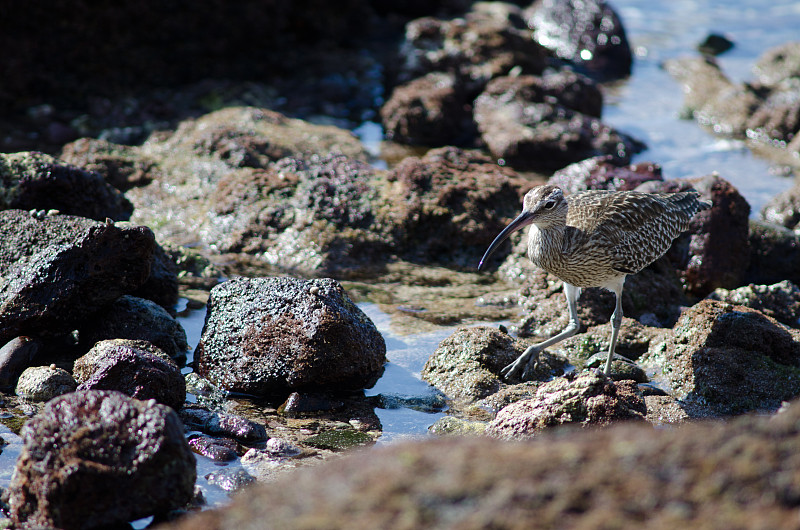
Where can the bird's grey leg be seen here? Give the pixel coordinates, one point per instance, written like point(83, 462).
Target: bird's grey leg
point(616, 321)
point(530, 357)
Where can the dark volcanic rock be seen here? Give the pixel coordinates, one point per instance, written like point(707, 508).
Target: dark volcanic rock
point(136, 368)
point(268, 336)
point(162, 285)
point(741, 473)
point(775, 254)
point(714, 252)
point(729, 358)
point(134, 318)
point(529, 130)
point(216, 449)
point(430, 110)
point(95, 458)
point(604, 173)
point(16, 355)
point(589, 398)
point(38, 181)
point(587, 33)
point(450, 204)
point(466, 365)
point(487, 42)
point(223, 424)
point(55, 271)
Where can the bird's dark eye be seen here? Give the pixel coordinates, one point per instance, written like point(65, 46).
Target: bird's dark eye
point(549, 205)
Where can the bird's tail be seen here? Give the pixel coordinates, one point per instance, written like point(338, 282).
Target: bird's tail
point(689, 202)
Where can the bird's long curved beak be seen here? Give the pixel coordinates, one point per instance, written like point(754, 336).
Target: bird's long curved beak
point(522, 220)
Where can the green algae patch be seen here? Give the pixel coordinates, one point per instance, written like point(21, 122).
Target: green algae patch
point(338, 440)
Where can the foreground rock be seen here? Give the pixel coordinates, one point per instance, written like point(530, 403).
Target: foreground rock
point(136, 368)
point(96, 458)
point(780, 301)
point(742, 473)
point(584, 399)
point(270, 336)
point(728, 359)
point(57, 270)
point(33, 180)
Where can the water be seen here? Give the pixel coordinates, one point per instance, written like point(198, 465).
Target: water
point(649, 103)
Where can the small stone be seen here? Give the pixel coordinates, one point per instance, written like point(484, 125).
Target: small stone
point(43, 383)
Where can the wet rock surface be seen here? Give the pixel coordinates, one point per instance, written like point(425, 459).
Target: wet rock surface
point(94, 458)
point(617, 476)
point(271, 336)
point(136, 368)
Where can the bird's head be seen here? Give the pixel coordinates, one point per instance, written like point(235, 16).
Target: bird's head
point(543, 205)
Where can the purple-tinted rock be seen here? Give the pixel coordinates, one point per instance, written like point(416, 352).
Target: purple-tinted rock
point(586, 399)
point(216, 449)
point(136, 368)
point(267, 336)
point(96, 458)
point(134, 318)
point(223, 424)
point(33, 180)
point(55, 271)
point(16, 355)
point(587, 33)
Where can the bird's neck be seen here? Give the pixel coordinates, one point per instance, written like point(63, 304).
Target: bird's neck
point(545, 244)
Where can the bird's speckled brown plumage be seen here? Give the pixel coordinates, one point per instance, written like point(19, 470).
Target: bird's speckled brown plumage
point(595, 239)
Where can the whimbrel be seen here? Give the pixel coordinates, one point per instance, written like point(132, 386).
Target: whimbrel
point(595, 239)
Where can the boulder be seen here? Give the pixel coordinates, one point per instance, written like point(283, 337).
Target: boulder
point(136, 368)
point(57, 270)
point(774, 256)
point(728, 359)
point(95, 458)
point(43, 383)
point(271, 336)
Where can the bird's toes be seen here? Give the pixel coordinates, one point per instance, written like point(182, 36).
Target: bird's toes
point(511, 370)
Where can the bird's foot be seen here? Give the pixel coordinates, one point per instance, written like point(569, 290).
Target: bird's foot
point(527, 363)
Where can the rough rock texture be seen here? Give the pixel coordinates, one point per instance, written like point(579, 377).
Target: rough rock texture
point(43, 383)
point(33, 180)
point(487, 42)
point(467, 364)
point(604, 173)
point(775, 254)
point(586, 399)
point(95, 458)
point(780, 301)
point(223, 424)
point(714, 252)
point(430, 110)
point(741, 473)
point(267, 336)
point(55, 271)
point(451, 203)
point(136, 368)
point(525, 128)
point(728, 358)
point(129, 317)
point(588, 34)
